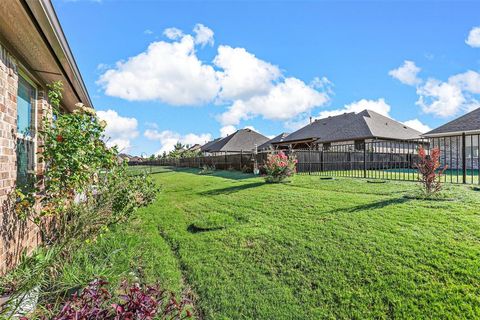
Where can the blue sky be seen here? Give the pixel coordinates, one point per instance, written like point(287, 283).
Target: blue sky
point(269, 65)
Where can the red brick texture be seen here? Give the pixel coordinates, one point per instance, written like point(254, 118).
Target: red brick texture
point(16, 236)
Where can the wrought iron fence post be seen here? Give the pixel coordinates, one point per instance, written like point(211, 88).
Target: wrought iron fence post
point(464, 159)
point(309, 161)
point(241, 159)
point(321, 161)
point(365, 159)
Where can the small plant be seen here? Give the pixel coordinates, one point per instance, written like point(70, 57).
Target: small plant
point(279, 166)
point(429, 171)
point(206, 169)
point(133, 302)
point(246, 169)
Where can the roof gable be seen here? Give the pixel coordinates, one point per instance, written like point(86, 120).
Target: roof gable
point(241, 140)
point(320, 128)
point(384, 127)
point(206, 146)
point(281, 137)
point(467, 122)
point(351, 126)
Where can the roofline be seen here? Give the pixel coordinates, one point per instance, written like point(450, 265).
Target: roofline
point(46, 21)
point(451, 133)
point(372, 137)
point(339, 140)
point(296, 141)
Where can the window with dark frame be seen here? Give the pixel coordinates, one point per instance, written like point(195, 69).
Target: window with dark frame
point(25, 148)
point(359, 145)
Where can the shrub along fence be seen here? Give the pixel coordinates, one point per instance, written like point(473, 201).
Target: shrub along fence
point(389, 160)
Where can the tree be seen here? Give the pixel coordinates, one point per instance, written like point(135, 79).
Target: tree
point(178, 149)
point(429, 171)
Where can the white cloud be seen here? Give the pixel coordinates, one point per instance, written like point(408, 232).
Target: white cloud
point(148, 31)
point(284, 101)
point(227, 130)
point(102, 67)
point(473, 39)
point(243, 74)
point(297, 123)
point(203, 35)
point(168, 72)
point(449, 98)
point(468, 81)
point(168, 139)
point(379, 106)
point(173, 33)
point(119, 130)
point(171, 72)
point(440, 98)
point(417, 125)
point(407, 73)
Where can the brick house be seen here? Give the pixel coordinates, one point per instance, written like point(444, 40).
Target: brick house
point(33, 53)
point(351, 130)
point(452, 136)
point(243, 140)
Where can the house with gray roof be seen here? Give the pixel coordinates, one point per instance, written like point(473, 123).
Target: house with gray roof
point(348, 128)
point(269, 144)
point(468, 123)
point(451, 136)
point(243, 140)
point(206, 147)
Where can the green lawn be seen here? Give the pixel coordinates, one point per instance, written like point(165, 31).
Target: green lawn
point(449, 176)
point(309, 249)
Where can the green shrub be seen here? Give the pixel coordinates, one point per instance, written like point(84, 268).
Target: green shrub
point(82, 192)
point(206, 169)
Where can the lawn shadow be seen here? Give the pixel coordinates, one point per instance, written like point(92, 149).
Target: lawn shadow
point(372, 206)
point(231, 189)
point(194, 229)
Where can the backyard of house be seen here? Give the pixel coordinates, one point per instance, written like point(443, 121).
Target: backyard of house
point(307, 249)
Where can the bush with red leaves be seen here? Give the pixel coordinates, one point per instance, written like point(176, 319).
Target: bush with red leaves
point(279, 166)
point(429, 171)
point(135, 302)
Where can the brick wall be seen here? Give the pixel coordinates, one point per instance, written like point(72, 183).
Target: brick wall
point(16, 236)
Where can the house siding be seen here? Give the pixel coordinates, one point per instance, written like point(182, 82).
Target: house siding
point(16, 236)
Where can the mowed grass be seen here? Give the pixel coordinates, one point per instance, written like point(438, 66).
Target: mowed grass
point(308, 249)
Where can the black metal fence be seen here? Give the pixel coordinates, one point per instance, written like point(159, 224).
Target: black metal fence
point(389, 160)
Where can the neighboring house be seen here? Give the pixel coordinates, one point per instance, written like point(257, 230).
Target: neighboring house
point(468, 124)
point(195, 147)
point(353, 129)
point(206, 147)
point(243, 140)
point(136, 159)
point(33, 53)
point(451, 136)
point(124, 157)
point(269, 144)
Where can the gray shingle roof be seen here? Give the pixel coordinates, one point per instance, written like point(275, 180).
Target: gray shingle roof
point(278, 138)
point(206, 146)
point(241, 140)
point(467, 122)
point(351, 126)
